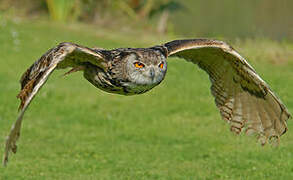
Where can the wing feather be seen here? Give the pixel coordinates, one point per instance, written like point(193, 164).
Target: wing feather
point(243, 98)
point(63, 56)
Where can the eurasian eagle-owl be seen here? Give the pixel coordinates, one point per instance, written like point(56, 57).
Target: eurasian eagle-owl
point(243, 98)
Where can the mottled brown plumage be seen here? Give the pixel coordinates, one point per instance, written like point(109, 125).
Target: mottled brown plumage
point(243, 98)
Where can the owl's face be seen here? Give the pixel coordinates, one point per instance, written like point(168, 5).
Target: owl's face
point(145, 68)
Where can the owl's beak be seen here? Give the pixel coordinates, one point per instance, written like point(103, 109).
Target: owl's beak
point(152, 73)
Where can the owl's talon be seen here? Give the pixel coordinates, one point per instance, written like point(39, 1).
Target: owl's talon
point(75, 69)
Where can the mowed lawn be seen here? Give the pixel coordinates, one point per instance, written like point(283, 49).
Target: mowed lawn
point(74, 131)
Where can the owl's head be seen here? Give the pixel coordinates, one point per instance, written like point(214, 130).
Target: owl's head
point(145, 67)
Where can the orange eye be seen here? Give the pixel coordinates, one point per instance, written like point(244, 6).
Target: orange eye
point(161, 65)
point(138, 65)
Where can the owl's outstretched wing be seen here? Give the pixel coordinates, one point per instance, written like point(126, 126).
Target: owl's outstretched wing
point(243, 98)
point(63, 56)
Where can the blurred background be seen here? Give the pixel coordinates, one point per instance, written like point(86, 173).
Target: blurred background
point(187, 18)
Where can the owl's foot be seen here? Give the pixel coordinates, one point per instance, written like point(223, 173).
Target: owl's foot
point(75, 69)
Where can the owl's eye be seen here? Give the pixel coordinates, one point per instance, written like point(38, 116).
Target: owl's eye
point(138, 65)
point(161, 65)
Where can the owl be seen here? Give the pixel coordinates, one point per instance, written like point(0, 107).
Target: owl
point(244, 100)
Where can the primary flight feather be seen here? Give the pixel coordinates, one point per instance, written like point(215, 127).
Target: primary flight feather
point(243, 98)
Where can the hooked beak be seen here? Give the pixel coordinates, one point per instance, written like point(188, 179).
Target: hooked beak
point(152, 73)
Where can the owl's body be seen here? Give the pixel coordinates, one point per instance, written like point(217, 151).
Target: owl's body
point(118, 75)
point(244, 100)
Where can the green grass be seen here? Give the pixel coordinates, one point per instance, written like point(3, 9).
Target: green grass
point(75, 131)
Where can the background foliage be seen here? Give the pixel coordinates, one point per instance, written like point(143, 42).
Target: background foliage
point(194, 18)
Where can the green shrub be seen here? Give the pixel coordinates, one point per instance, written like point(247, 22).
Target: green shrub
point(63, 10)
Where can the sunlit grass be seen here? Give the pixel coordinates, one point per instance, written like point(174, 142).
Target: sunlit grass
point(75, 131)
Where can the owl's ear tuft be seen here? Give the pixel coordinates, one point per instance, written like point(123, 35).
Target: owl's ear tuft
point(124, 54)
point(162, 49)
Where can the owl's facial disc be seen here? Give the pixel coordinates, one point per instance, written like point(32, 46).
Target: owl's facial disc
point(146, 70)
